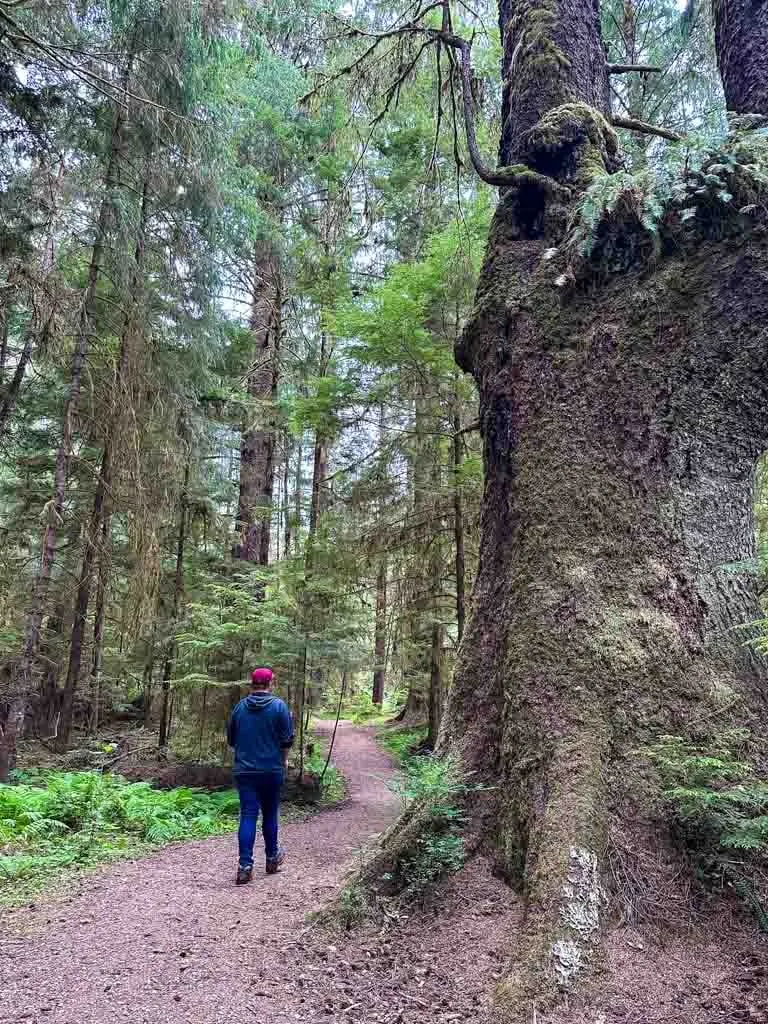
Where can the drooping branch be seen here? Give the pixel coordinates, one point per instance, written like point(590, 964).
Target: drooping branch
point(497, 176)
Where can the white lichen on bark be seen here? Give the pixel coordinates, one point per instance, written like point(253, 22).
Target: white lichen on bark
point(583, 897)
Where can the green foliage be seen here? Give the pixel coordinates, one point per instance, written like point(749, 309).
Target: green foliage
point(402, 742)
point(334, 785)
point(359, 707)
point(438, 787)
point(51, 820)
point(436, 856)
point(718, 799)
point(719, 803)
point(621, 194)
point(697, 186)
point(351, 906)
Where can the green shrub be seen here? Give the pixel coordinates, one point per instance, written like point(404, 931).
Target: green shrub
point(720, 806)
point(438, 785)
point(402, 742)
point(352, 906)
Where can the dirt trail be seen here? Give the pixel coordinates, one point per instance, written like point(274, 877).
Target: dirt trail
point(170, 938)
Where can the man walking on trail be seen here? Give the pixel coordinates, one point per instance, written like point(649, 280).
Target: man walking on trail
point(261, 732)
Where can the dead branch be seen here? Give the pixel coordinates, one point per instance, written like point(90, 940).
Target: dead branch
point(633, 125)
point(624, 69)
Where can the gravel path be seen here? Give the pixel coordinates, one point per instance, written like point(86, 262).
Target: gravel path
point(170, 938)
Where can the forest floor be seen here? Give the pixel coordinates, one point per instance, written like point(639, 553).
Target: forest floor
point(169, 938)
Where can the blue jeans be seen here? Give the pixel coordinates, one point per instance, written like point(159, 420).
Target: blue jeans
point(258, 792)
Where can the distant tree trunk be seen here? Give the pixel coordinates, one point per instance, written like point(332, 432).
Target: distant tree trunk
point(11, 392)
point(3, 341)
point(621, 426)
point(380, 634)
point(286, 498)
point(9, 733)
point(257, 449)
point(435, 701)
point(104, 481)
point(416, 672)
point(309, 607)
point(146, 689)
point(22, 682)
point(99, 619)
point(178, 589)
point(435, 685)
point(458, 527)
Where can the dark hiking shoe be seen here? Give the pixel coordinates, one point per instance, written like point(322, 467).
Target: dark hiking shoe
point(275, 863)
point(244, 876)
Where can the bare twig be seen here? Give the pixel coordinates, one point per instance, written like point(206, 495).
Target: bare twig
point(335, 726)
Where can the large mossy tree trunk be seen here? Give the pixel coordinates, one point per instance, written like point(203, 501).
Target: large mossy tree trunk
point(621, 423)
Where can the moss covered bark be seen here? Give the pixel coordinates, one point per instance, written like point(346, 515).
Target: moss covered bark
point(622, 424)
point(622, 418)
point(552, 54)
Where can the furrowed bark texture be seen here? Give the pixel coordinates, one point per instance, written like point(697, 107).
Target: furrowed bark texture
point(257, 449)
point(621, 424)
point(741, 33)
point(552, 54)
point(621, 434)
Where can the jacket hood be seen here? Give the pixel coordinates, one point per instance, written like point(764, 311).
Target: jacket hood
point(259, 701)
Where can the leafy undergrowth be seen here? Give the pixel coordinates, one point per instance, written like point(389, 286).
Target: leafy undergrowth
point(53, 821)
point(333, 788)
point(402, 742)
point(360, 709)
point(719, 803)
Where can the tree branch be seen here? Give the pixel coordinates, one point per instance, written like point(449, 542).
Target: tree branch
point(623, 69)
point(499, 176)
point(633, 125)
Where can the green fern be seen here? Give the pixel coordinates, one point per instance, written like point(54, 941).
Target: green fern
point(58, 819)
point(720, 804)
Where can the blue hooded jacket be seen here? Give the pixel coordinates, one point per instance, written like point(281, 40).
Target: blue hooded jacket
point(260, 729)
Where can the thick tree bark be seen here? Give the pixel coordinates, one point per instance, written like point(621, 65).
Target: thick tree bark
point(104, 481)
point(552, 54)
point(458, 528)
point(257, 449)
point(621, 426)
point(741, 34)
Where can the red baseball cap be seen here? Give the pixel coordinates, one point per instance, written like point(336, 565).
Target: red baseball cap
point(261, 675)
